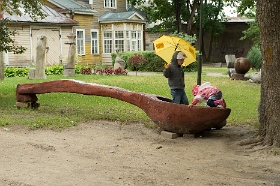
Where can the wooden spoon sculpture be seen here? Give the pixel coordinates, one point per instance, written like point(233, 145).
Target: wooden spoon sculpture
point(168, 116)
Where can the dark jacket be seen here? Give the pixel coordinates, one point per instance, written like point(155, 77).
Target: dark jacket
point(175, 74)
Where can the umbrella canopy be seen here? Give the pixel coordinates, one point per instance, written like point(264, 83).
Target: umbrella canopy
point(165, 46)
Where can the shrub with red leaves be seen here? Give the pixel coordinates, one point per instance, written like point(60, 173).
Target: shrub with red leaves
point(137, 60)
point(86, 71)
point(120, 71)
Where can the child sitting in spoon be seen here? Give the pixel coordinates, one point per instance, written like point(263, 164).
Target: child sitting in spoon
point(211, 94)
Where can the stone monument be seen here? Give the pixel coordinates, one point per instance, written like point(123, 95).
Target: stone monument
point(69, 68)
point(230, 59)
point(119, 63)
point(40, 58)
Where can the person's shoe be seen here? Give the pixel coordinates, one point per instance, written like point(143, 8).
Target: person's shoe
point(221, 103)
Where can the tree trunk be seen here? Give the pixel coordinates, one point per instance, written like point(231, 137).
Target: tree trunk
point(178, 15)
point(190, 21)
point(269, 116)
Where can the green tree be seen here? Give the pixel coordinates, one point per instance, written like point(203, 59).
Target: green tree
point(253, 33)
point(248, 9)
point(169, 15)
point(212, 23)
point(32, 8)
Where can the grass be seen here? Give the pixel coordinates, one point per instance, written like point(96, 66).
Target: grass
point(60, 110)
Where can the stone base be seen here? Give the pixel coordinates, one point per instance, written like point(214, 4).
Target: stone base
point(33, 105)
point(170, 135)
point(69, 72)
point(22, 104)
point(239, 76)
point(31, 73)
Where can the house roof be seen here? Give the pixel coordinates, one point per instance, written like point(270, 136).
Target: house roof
point(238, 19)
point(129, 16)
point(51, 17)
point(74, 6)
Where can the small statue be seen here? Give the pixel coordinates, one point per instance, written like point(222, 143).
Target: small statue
point(119, 63)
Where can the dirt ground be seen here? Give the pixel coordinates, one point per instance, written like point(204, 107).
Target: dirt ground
point(108, 153)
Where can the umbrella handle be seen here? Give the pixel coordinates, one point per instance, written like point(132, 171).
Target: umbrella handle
point(176, 47)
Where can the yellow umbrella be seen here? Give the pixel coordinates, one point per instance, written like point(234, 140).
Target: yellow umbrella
point(165, 46)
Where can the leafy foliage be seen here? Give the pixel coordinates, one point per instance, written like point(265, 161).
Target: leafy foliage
point(211, 19)
point(244, 7)
point(163, 12)
point(105, 71)
point(255, 58)
point(253, 33)
point(137, 60)
point(86, 71)
point(54, 70)
point(31, 8)
point(153, 62)
point(186, 37)
point(16, 72)
point(6, 42)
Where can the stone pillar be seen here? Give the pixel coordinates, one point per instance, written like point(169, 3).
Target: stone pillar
point(40, 57)
point(69, 68)
point(230, 60)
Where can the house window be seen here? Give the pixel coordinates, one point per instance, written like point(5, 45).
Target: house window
point(110, 4)
point(108, 41)
point(80, 41)
point(139, 39)
point(134, 41)
point(94, 42)
point(127, 41)
point(123, 40)
point(119, 40)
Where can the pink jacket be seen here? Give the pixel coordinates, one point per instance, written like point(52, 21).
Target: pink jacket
point(204, 94)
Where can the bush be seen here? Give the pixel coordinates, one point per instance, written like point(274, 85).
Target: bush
point(15, 72)
point(54, 70)
point(254, 56)
point(154, 63)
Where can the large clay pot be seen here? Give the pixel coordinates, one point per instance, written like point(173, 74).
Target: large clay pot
point(242, 65)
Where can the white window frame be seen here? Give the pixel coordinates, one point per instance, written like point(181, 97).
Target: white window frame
point(110, 3)
point(108, 42)
point(119, 40)
point(95, 41)
point(83, 40)
point(132, 41)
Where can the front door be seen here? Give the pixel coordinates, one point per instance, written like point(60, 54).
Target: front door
point(53, 51)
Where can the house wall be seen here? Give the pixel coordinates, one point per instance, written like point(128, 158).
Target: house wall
point(27, 37)
point(229, 43)
point(88, 22)
point(99, 6)
point(22, 38)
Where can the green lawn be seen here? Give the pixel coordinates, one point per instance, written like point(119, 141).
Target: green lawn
point(59, 110)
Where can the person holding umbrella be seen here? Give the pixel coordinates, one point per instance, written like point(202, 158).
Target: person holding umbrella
point(175, 74)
